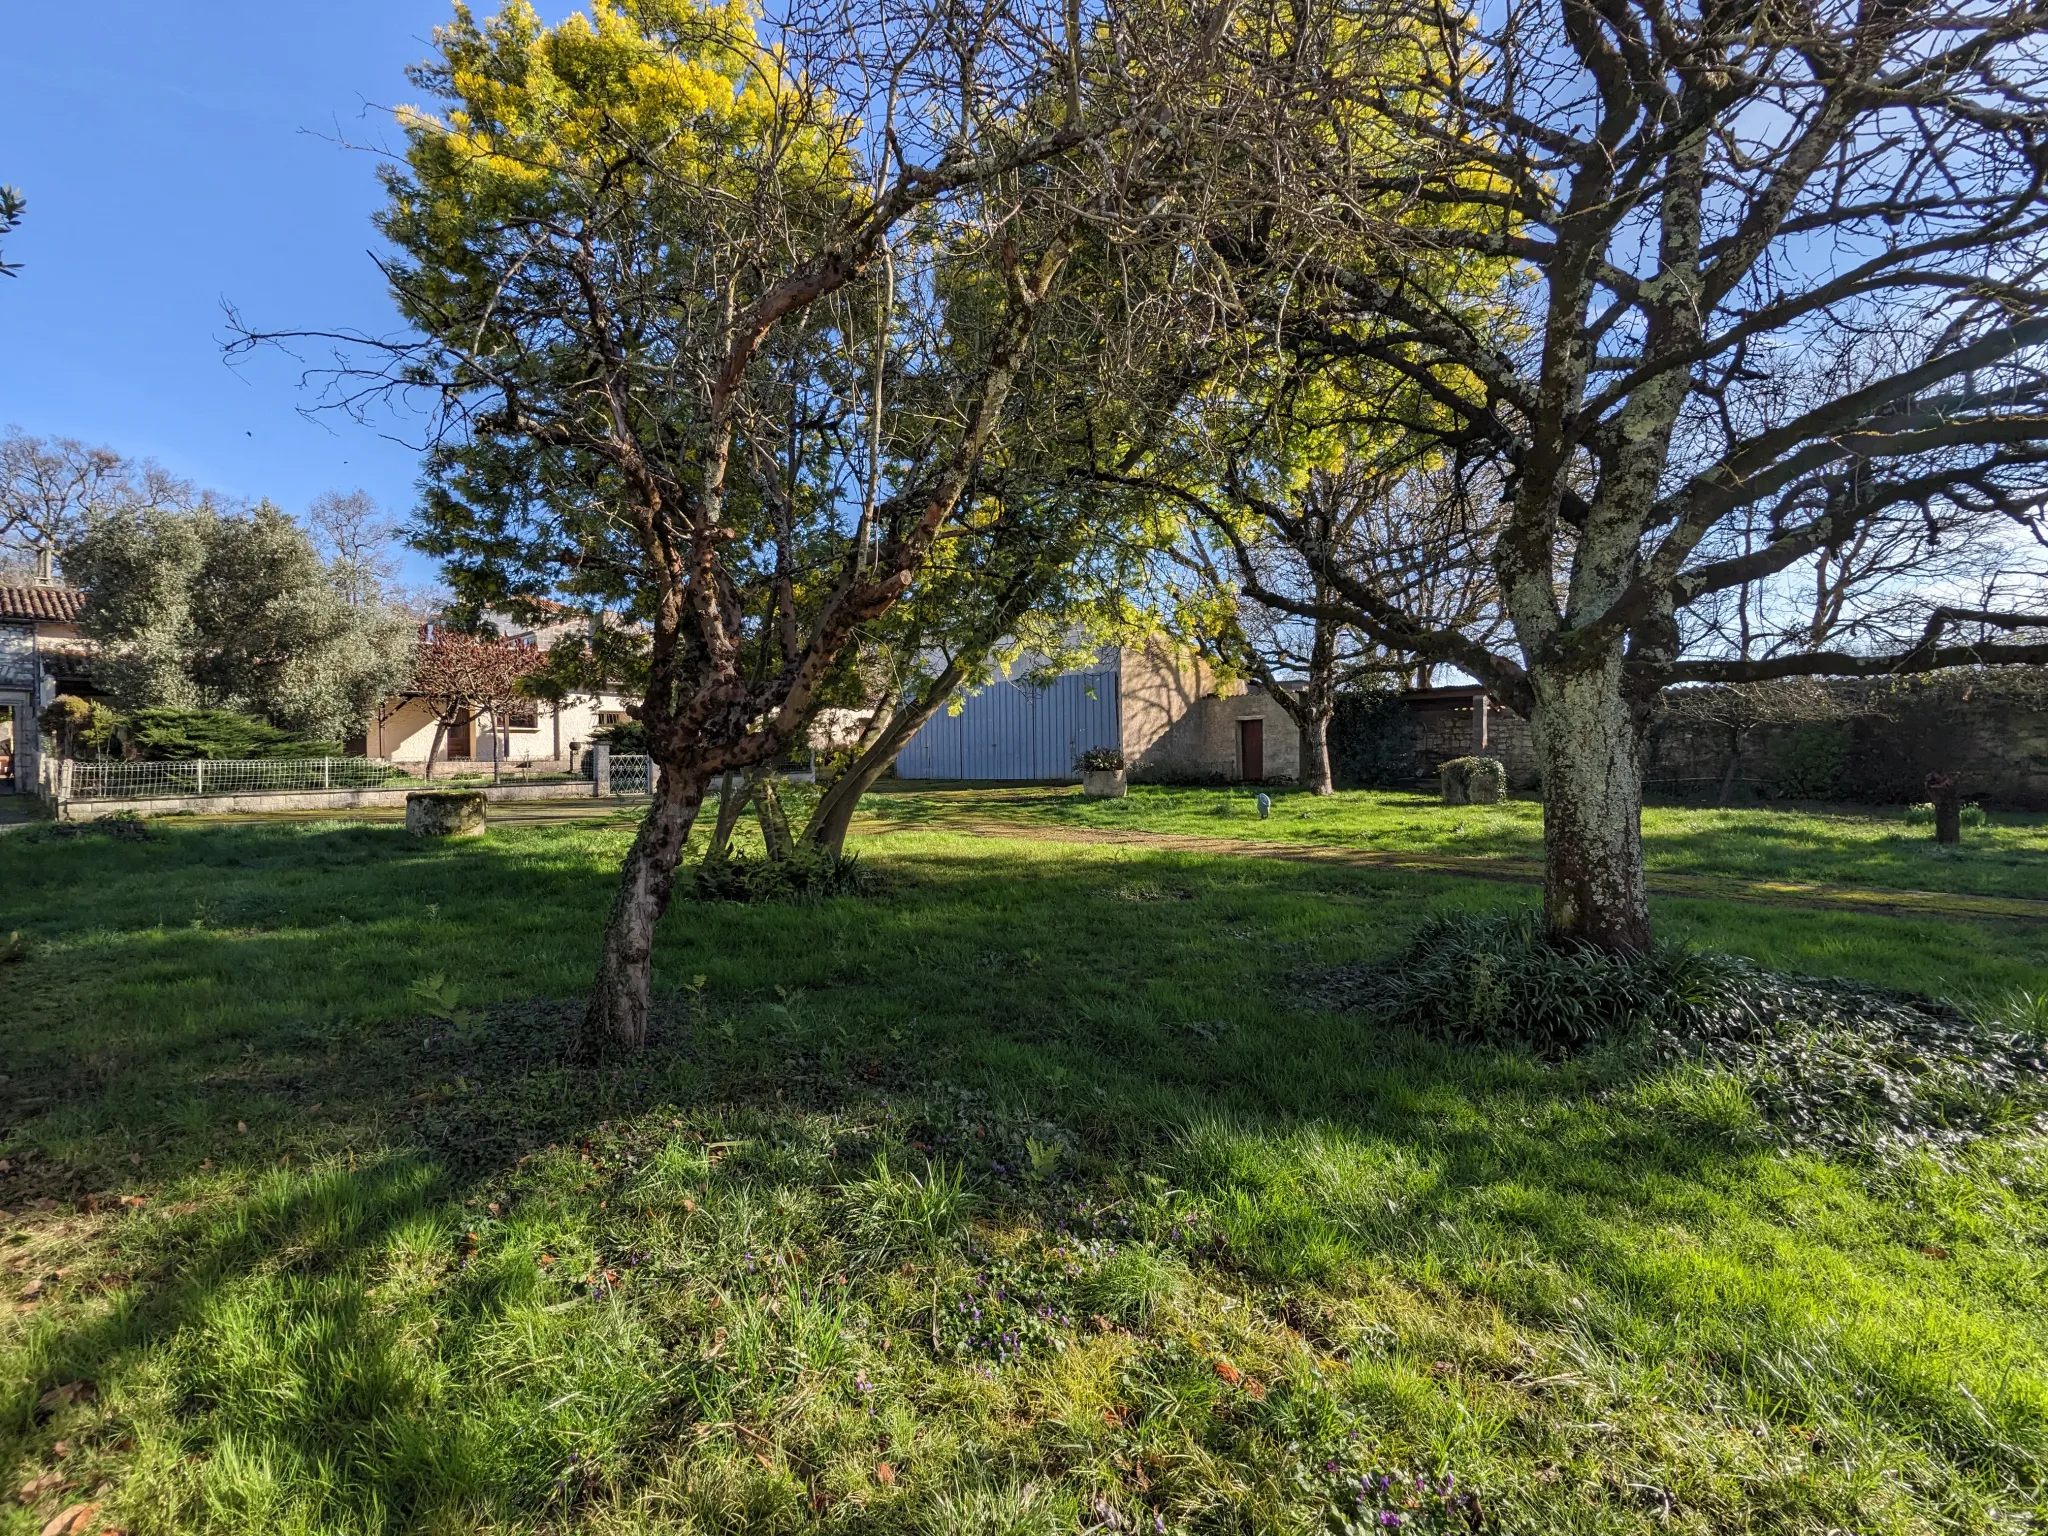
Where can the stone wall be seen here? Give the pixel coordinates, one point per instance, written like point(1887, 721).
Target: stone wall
point(1873, 742)
point(1861, 741)
point(1396, 741)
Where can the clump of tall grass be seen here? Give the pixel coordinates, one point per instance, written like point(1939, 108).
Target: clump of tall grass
point(892, 1212)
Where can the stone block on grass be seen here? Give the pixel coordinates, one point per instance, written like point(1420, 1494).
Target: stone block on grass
point(445, 813)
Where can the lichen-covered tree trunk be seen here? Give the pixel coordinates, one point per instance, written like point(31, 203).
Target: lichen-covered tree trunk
point(1589, 747)
point(620, 1001)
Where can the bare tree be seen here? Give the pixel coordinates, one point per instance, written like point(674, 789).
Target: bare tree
point(469, 674)
point(1781, 260)
point(52, 488)
point(1415, 538)
point(358, 538)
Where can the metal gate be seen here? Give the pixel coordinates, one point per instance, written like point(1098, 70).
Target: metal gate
point(630, 774)
point(1015, 731)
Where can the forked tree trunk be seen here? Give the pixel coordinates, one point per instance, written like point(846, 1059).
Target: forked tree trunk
point(775, 834)
point(734, 792)
point(619, 1002)
point(833, 815)
point(1589, 748)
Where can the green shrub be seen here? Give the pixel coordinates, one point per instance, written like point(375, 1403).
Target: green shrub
point(180, 735)
point(804, 876)
point(1810, 761)
point(1473, 780)
point(79, 726)
point(1101, 760)
point(626, 736)
point(1496, 979)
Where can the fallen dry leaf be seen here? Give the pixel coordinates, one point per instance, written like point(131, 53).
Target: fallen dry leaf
point(762, 1457)
point(36, 1487)
point(134, 1202)
point(241, 1127)
point(61, 1449)
point(64, 1396)
point(885, 1475)
point(74, 1521)
point(1229, 1372)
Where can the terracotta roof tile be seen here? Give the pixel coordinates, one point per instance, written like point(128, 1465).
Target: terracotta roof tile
point(57, 604)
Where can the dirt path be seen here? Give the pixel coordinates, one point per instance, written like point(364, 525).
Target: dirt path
point(1839, 898)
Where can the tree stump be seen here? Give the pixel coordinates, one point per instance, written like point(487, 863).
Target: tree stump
point(445, 813)
point(1944, 789)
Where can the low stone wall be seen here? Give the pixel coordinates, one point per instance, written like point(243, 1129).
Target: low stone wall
point(301, 800)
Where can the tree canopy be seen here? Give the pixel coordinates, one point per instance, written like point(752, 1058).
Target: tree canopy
point(204, 608)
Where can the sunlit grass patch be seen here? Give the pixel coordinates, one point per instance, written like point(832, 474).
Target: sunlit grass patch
point(1004, 1199)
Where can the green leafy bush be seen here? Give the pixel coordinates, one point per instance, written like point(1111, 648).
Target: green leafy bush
point(625, 736)
point(1101, 760)
point(1473, 780)
point(804, 876)
point(180, 735)
point(79, 726)
point(1810, 761)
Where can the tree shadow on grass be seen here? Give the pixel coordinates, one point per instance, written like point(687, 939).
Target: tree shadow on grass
point(1128, 1016)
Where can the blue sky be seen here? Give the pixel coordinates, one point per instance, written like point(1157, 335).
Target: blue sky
point(175, 157)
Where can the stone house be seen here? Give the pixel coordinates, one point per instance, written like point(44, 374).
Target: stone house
point(42, 654)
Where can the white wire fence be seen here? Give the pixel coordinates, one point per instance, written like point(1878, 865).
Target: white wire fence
point(228, 776)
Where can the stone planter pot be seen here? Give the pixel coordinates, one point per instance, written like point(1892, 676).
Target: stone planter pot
point(1104, 784)
point(445, 813)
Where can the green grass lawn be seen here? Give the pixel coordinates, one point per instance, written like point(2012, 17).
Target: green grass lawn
point(1035, 1193)
point(1862, 846)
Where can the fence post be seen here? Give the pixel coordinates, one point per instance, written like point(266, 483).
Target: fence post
point(601, 770)
point(63, 780)
point(327, 773)
point(199, 776)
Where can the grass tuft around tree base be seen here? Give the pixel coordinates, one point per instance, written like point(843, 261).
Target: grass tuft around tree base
point(1832, 1065)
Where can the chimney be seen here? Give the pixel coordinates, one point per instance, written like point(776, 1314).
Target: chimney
point(46, 573)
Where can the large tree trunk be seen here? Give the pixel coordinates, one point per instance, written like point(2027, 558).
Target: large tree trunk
point(1589, 747)
point(1315, 751)
point(619, 1001)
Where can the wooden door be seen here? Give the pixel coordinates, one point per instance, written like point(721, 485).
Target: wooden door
point(1251, 749)
point(459, 736)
